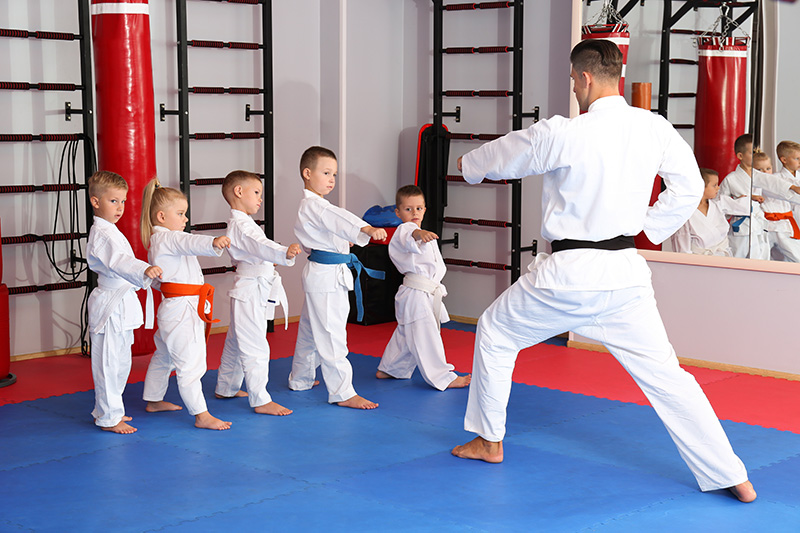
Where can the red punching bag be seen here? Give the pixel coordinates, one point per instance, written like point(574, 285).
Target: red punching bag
point(719, 114)
point(617, 34)
point(126, 113)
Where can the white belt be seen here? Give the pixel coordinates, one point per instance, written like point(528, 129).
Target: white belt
point(121, 288)
point(266, 277)
point(421, 283)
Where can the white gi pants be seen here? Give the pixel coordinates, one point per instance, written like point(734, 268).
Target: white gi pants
point(246, 353)
point(322, 341)
point(418, 343)
point(111, 366)
point(627, 322)
point(180, 345)
point(789, 247)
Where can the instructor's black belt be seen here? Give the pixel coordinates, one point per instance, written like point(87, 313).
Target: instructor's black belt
point(620, 242)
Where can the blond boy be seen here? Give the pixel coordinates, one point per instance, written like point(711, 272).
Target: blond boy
point(114, 309)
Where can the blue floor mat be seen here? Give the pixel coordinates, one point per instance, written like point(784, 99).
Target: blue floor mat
point(572, 463)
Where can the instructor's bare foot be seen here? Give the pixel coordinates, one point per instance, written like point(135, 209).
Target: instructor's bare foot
point(240, 394)
point(357, 402)
point(744, 492)
point(158, 407)
point(380, 374)
point(127, 418)
point(272, 408)
point(206, 421)
point(122, 428)
point(480, 449)
point(460, 382)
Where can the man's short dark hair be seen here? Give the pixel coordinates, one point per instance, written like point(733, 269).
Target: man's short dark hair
point(599, 57)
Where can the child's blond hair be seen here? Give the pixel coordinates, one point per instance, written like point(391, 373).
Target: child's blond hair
point(759, 156)
point(785, 148)
point(102, 180)
point(234, 178)
point(154, 199)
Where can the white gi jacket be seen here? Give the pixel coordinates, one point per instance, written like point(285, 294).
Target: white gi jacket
point(119, 275)
point(598, 194)
point(708, 234)
point(321, 225)
point(176, 253)
point(735, 185)
point(416, 257)
point(255, 255)
point(773, 204)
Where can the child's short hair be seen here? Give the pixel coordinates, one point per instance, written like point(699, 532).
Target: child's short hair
point(707, 174)
point(102, 180)
point(154, 199)
point(759, 156)
point(741, 142)
point(234, 178)
point(785, 148)
point(407, 191)
point(312, 155)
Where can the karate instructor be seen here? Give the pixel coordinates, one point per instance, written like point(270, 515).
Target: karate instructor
point(598, 171)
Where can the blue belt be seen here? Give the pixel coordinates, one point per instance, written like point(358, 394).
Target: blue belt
point(332, 258)
point(737, 222)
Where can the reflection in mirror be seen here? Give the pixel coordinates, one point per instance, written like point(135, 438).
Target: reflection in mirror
point(706, 62)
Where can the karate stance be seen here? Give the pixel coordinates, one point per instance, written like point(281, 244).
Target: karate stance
point(257, 290)
point(417, 340)
point(114, 310)
point(325, 231)
point(187, 304)
point(597, 171)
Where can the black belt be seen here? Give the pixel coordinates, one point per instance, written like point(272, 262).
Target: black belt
point(620, 242)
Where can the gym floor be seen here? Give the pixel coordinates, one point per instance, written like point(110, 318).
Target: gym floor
point(584, 452)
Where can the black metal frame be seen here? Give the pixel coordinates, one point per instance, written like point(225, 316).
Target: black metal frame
point(267, 99)
point(436, 205)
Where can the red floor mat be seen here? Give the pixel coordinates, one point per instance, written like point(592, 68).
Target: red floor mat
point(762, 401)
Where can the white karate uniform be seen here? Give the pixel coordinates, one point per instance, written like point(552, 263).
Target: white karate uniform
point(707, 234)
point(180, 339)
point(751, 239)
point(257, 290)
point(417, 340)
point(114, 312)
point(779, 232)
point(322, 332)
point(598, 172)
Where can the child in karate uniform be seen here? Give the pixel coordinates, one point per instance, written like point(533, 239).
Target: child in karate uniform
point(706, 231)
point(789, 156)
point(114, 309)
point(783, 232)
point(417, 341)
point(187, 304)
point(326, 231)
point(747, 235)
point(257, 290)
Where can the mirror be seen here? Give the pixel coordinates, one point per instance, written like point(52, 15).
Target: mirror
point(762, 38)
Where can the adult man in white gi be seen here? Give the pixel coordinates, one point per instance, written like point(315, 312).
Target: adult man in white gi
point(597, 171)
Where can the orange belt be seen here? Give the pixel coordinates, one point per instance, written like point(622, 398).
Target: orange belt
point(204, 291)
point(785, 216)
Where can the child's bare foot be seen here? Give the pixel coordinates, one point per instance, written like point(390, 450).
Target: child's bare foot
point(460, 382)
point(240, 394)
point(206, 420)
point(744, 492)
point(357, 402)
point(272, 408)
point(480, 449)
point(158, 407)
point(122, 427)
point(380, 374)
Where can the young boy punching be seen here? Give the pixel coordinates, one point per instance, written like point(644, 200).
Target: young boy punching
point(417, 341)
point(325, 232)
point(256, 292)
